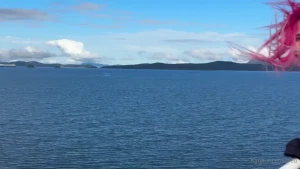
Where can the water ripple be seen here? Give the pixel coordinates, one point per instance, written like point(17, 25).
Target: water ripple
point(70, 118)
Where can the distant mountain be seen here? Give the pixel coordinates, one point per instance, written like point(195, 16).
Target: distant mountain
point(25, 64)
point(77, 66)
point(55, 65)
point(254, 61)
point(252, 65)
point(94, 64)
point(217, 65)
point(264, 63)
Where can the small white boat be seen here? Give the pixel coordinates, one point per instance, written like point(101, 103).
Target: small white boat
point(7, 65)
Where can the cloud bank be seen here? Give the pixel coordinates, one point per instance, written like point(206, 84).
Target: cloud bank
point(162, 45)
point(180, 46)
point(70, 52)
point(15, 14)
point(87, 6)
point(28, 53)
point(74, 50)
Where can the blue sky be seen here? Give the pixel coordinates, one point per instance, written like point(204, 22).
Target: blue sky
point(131, 31)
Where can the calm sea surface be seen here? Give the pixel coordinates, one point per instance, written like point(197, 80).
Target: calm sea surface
point(97, 118)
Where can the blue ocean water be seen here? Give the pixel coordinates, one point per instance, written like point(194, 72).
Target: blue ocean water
point(102, 118)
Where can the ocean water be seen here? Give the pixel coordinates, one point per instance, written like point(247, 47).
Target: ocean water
point(101, 118)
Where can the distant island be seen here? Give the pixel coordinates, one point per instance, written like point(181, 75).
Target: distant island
point(34, 64)
point(252, 65)
point(30, 66)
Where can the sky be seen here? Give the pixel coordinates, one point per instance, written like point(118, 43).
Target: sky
point(131, 31)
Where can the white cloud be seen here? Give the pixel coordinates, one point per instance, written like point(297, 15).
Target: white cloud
point(150, 46)
point(166, 35)
point(69, 47)
point(238, 57)
point(217, 54)
point(18, 14)
point(59, 60)
point(150, 49)
point(74, 49)
point(178, 62)
point(28, 53)
point(197, 47)
point(16, 40)
point(168, 57)
point(206, 54)
point(87, 6)
point(128, 58)
point(264, 51)
point(161, 55)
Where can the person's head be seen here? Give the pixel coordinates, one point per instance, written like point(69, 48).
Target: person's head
point(284, 43)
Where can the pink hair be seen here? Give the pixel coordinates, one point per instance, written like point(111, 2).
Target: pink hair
point(282, 44)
